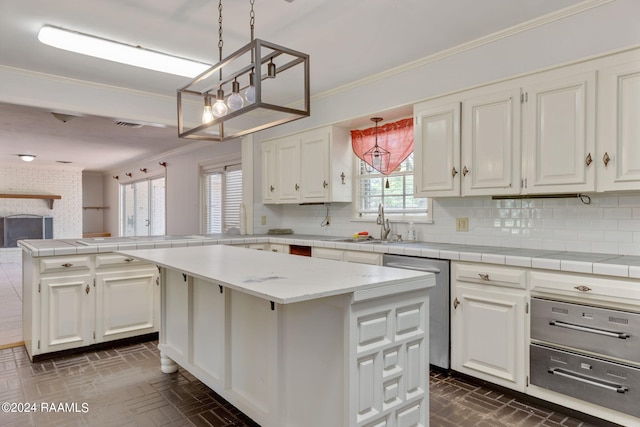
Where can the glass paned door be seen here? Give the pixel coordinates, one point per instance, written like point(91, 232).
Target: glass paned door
point(143, 207)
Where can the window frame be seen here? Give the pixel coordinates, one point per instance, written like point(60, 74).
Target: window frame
point(404, 217)
point(217, 166)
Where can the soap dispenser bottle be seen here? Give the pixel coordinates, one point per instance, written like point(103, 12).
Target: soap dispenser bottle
point(411, 233)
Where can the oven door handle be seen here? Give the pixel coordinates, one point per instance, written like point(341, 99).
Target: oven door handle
point(612, 334)
point(581, 378)
point(413, 267)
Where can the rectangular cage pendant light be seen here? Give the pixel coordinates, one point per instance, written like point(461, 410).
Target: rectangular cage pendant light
point(269, 85)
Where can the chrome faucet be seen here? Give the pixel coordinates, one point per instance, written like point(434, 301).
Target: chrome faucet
point(385, 229)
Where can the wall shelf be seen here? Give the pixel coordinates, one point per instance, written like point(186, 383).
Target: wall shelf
point(48, 197)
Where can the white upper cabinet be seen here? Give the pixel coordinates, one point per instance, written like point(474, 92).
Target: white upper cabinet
point(618, 159)
point(437, 148)
point(309, 167)
point(559, 133)
point(491, 143)
point(288, 170)
point(269, 190)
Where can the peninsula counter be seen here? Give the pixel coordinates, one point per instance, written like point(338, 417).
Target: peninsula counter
point(297, 341)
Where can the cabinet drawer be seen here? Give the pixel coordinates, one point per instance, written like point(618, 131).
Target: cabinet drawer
point(363, 257)
point(604, 383)
point(614, 333)
point(489, 275)
point(327, 253)
point(115, 260)
point(66, 263)
point(587, 287)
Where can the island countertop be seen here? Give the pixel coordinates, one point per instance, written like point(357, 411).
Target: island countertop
point(277, 278)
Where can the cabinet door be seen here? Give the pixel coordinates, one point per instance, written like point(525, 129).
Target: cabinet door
point(269, 173)
point(618, 159)
point(67, 312)
point(314, 155)
point(559, 135)
point(491, 144)
point(125, 303)
point(488, 334)
point(437, 149)
point(288, 170)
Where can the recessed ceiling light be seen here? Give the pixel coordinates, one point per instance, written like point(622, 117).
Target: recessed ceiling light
point(98, 47)
point(27, 157)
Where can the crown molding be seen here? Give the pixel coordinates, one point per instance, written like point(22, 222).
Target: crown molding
point(507, 32)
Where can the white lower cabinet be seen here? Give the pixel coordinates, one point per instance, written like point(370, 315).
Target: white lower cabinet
point(126, 303)
point(489, 324)
point(69, 302)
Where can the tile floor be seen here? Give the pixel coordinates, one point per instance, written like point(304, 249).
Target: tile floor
point(123, 386)
point(10, 304)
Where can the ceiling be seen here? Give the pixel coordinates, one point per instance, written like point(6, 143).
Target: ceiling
point(347, 41)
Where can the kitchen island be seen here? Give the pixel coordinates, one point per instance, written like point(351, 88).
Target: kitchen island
point(297, 341)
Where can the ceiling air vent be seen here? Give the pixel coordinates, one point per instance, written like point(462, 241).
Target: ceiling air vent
point(127, 124)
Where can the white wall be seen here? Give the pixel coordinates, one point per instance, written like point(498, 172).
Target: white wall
point(611, 224)
point(182, 184)
point(34, 179)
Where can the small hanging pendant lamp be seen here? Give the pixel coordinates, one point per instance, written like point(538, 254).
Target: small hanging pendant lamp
point(377, 157)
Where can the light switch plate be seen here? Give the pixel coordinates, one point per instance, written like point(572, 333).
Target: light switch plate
point(263, 220)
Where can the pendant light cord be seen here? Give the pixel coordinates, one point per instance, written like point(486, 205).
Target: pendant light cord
point(220, 42)
point(252, 22)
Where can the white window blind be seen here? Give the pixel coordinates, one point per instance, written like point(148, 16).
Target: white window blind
point(222, 198)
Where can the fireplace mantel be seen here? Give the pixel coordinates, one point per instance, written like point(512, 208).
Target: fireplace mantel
point(49, 197)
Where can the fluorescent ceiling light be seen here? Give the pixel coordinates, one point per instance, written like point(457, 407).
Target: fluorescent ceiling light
point(120, 52)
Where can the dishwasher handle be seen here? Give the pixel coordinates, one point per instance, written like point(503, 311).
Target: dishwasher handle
point(612, 334)
point(413, 267)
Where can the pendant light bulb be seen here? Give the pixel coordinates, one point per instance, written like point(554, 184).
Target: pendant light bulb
point(207, 112)
point(250, 93)
point(235, 101)
point(219, 108)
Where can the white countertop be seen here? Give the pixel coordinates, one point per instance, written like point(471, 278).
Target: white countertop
point(274, 277)
point(576, 262)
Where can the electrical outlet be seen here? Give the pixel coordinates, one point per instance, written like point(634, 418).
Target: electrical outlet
point(263, 220)
point(462, 223)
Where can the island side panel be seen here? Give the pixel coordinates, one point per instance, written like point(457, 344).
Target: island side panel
point(389, 360)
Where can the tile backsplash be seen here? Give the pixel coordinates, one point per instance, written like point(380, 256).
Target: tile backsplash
point(608, 224)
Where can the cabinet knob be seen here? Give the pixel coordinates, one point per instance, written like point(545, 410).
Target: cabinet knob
point(271, 188)
point(606, 159)
point(588, 160)
point(456, 303)
point(87, 289)
point(128, 260)
point(324, 184)
point(483, 276)
point(454, 172)
point(465, 171)
point(583, 288)
point(297, 187)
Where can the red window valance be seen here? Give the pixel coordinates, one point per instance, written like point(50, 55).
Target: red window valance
point(396, 137)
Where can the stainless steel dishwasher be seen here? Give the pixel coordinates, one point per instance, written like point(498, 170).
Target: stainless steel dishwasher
point(439, 342)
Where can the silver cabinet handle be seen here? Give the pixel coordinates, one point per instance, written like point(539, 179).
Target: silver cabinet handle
point(483, 276)
point(612, 334)
point(584, 379)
